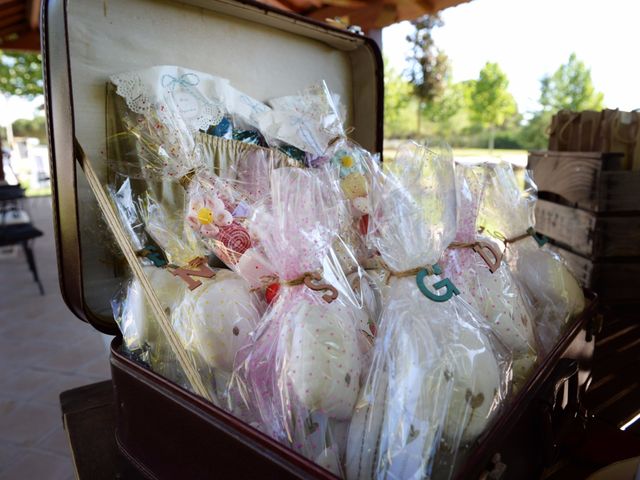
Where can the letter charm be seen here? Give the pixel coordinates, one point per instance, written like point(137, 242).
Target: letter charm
point(154, 254)
point(494, 263)
point(539, 238)
point(198, 268)
point(447, 284)
point(328, 297)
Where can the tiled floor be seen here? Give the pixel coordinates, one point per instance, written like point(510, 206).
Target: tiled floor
point(44, 350)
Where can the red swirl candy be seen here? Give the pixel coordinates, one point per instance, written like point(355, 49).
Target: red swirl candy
point(236, 240)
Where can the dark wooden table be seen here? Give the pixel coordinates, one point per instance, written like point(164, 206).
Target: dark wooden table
point(11, 198)
point(88, 414)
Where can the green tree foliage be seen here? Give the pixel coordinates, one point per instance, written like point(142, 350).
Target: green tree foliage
point(397, 99)
point(35, 128)
point(446, 113)
point(570, 87)
point(428, 70)
point(20, 74)
point(533, 135)
point(490, 103)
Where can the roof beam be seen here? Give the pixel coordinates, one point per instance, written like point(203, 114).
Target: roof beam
point(11, 20)
point(11, 29)
point(12, 9)
point(33, 14)
point(29, 41)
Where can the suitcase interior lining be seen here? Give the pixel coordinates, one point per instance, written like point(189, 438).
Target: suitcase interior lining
point(262, 53)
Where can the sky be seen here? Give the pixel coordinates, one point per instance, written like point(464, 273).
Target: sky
point(12, 108)
point(531, 38)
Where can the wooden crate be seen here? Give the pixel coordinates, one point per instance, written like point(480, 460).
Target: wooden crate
point(587, 233)
point(592, 181)
point(590, 210)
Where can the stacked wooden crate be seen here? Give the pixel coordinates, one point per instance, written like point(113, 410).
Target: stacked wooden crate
point(589, 207)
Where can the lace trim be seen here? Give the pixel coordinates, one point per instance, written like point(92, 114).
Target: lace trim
point(181, 99)
point(131, 88)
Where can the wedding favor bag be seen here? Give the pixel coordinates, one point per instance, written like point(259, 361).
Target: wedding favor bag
point(303, 371)
point(436, 377)
point(474, 263)
point(507, 213)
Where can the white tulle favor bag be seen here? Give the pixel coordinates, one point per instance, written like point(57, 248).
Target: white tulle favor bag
point(474, 264)
point(508, 213)
point(436, 378)
point(303, 371)
point(213, 310)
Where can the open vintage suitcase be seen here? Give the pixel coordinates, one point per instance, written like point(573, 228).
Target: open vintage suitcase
point(164, 430)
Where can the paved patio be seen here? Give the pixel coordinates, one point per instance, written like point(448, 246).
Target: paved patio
point(44, 350)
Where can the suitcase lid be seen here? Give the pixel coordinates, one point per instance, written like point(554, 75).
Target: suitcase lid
point(262, 51)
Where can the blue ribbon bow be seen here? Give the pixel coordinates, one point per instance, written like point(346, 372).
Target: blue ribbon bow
point(185, 80)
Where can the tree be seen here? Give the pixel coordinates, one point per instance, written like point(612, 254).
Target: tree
point(397, 96)
point(489, 101)
point(570, 88)
point(21, 74)
point(429, 66)
point(35, 128)
point(533, 135)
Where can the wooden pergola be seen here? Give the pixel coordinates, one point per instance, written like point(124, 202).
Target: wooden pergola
point(20, 19)
point(20, 25)
point(368, 14)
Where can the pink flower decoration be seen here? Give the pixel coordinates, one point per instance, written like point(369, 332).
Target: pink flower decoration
point(207, 214)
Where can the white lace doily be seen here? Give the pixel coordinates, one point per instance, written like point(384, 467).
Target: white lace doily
point(176, 94)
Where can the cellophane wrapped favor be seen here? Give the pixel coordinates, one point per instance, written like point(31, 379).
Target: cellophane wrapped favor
point(213, 311)
point(303, 371)
point(141, 335)
point(473, 263)
point(312, 121)
point(308, 121)
point(170, 121)
point(508, 213)
point(217, 312)
point(437, 376)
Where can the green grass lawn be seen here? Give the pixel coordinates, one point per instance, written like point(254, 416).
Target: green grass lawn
point(517, 157)
point(38, 192)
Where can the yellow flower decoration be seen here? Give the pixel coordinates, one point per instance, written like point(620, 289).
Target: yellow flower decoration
point(347, 161)
point(205, 216)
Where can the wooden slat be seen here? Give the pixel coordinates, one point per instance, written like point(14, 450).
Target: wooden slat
point(617, 236)
point(620, 341)
point(619, 411)
point(617, 281)
point(29, 41)
point(8, 3)
point(10, 20)
point(610, 325)
point(614, 394)
point(12, 10)
point(619, 191)
point(17, 28)
point(602, 390)
point(573, 176)
point(608, 363)
point(589, 234)
point(570, 226)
